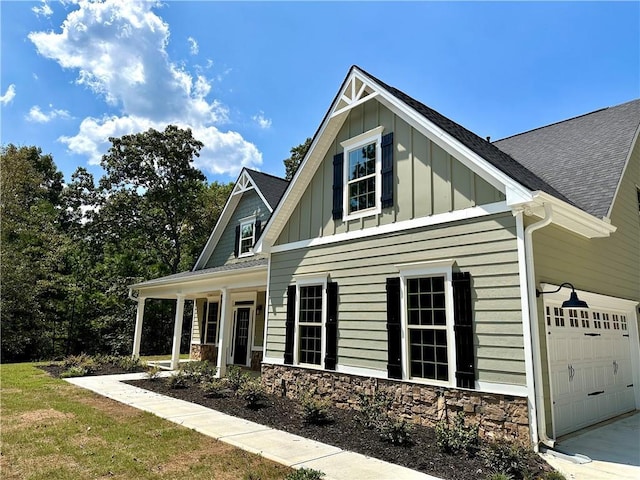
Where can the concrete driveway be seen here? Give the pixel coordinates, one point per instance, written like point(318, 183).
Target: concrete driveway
point(614, 450)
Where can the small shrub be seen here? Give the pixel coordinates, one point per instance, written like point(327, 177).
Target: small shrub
point(457, 437)
point(393, 430)
point(510, 458)
point(177, 380)
point(372, 407)
point(82, 360)
point(314, 410)
point(153, 373)
point(201, 371)
point(216, 388)
point(129, 364)
point(237, 377)
point(499, 476)
point(74, 371)
point(305, 474)
point(253, 393)
point(553, 476)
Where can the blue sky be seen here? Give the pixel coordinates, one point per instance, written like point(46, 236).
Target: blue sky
point(253, 80)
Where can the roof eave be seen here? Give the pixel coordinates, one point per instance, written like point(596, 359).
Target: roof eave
point(567, 216)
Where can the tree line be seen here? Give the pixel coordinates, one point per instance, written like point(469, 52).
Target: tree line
point(69, 250)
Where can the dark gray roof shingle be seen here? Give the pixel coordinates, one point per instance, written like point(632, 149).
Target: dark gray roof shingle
point(480, 146)
point(272, 187)
point(582, 157)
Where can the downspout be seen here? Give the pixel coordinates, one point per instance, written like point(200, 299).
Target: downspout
point(533, 325)
point(131, 297)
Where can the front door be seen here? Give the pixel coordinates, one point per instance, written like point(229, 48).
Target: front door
point(241, 335)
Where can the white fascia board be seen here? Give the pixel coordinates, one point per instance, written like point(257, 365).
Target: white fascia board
point(197, 284)
point(259, 192)
point(299, 182)
point(624, 170)
point(221, 224)
point(569, 217)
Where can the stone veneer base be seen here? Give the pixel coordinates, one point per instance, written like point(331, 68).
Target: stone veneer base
point(498, 415)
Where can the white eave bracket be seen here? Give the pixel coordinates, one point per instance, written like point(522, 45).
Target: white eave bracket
point(356, 91)
point(565, 215)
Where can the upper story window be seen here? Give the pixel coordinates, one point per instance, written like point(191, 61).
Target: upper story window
point(362, 181)
point(246, 233)
point(363, 177)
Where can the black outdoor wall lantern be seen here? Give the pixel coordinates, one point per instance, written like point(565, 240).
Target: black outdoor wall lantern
point(573, 302)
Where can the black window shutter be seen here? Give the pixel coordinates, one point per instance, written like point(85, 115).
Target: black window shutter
point(463, 327)
point(394, 338)
point(290, 324)
point(387, 170)
point(338, 162)
point(236, 248)
point(257, 230)
point(330, 358)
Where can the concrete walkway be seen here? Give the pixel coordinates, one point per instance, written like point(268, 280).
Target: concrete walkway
point(613, 447)
point(281, 447)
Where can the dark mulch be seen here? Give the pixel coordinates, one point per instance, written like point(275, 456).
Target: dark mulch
point(343, 432)
point(56, 370)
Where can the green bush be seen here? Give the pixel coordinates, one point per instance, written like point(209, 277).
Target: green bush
point(253, 393)
point(82, 361)
point(457, 437)
point(393, 430)
point(553, 476)
point(216, 388)
point(153, 373)
point(499, 476)
point(129, 364)
point(201, 371)
point(371, 408)
point(75, 371)
point(237, 377)
point(314, 411)
point(509, 458)
point(177, 380)
point(305, 474)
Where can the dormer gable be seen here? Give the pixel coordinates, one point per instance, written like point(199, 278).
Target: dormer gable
point(248, 208)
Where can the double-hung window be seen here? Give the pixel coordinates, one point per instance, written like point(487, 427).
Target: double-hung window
point(210, 324)
point(247, 237)
point(427, 318)
point(311, 314)
point(362, 179)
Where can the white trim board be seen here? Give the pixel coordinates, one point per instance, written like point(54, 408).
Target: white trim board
point(467, 213)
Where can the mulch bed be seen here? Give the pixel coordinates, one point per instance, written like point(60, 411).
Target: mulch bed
point(56, 370)
point(343, 432)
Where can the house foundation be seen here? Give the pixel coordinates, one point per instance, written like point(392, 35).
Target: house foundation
point(498, 415)
point(204, 352)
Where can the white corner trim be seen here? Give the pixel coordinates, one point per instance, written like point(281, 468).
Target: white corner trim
point(465, 214)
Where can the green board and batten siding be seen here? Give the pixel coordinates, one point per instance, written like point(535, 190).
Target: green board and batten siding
point(250, 204)
point(428, 181)
point(485, 247)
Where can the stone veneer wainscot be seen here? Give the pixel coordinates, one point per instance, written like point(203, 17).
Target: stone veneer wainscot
point(499, 416)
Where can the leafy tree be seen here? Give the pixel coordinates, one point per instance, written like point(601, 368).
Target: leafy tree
point(297, 155)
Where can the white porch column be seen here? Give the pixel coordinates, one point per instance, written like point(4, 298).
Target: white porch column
point(137, 335)
point(177, 333)
point(222, 357)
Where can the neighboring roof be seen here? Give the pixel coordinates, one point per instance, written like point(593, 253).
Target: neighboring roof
point(272, 187)
point(194, 274)
point(583, 157)
point(499, 159)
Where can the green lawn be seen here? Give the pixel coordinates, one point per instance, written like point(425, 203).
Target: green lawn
point(53, 430)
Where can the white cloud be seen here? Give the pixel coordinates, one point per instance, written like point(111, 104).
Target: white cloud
point(44, 9)
point(9, 94)
point(261, 120)
point(193, 46)
point(37, 115)
point(118, 48)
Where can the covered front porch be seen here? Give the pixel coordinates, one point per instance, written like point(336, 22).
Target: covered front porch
point(227, 325)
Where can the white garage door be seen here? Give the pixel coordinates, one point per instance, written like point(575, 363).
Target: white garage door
point(590, 366)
